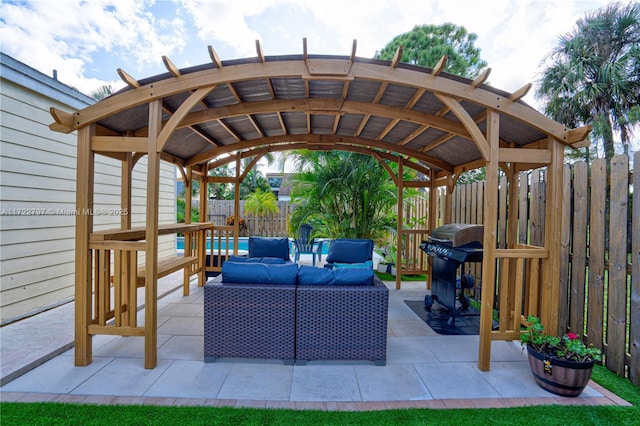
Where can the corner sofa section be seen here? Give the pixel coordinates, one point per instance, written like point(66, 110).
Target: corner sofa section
point(342, 322)
point(249, 321)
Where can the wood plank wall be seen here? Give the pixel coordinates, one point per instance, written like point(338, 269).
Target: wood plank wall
point(37, 199)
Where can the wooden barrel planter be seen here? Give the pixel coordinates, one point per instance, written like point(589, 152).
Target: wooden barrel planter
point(559, 376)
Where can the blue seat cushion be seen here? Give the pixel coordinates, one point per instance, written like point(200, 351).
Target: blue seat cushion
point(267, 260)
point(269, 247)
point(309, 275)
point(344, 250)
point(259, 273)
point(366, 265)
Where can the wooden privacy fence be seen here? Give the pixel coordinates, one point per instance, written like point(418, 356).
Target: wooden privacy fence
point(270, 225)
point(600, 275)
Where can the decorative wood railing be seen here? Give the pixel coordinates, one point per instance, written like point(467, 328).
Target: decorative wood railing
point(519, 288)
point(117, 276)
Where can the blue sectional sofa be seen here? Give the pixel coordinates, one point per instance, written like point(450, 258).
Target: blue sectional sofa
point(298, 314)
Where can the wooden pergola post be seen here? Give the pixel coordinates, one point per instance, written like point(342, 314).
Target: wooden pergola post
point(236, 206)
point(202, 236)
point(84, 226)
point(204, 191)
point(552, 240)
point(448, 198)
point(127, 260)
point(433, 220)
point(489, 241)
point(399, 224)
point(151, 251)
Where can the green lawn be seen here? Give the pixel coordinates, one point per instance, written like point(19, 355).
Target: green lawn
point(75, 414)
point(388, 277)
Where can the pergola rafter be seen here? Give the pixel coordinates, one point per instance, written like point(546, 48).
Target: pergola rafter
point(224, 111)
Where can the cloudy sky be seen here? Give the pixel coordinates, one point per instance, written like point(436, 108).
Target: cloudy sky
point(86, 41)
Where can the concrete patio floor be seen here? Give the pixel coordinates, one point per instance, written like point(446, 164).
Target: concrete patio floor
point(423, 369)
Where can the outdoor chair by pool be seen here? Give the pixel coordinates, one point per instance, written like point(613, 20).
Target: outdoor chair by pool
point(305, 244)
point(343, 251)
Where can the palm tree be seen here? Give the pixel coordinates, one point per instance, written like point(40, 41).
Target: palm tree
point(342, 195)
point(260, 203)
point(102, 92)
point(594, 76)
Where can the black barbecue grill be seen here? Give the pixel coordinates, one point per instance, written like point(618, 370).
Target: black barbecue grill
point(451, 246)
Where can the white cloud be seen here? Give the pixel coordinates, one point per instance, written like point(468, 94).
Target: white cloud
point(68, 35)
point(226, 21)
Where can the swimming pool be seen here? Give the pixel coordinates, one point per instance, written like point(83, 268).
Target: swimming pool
point(243, 245)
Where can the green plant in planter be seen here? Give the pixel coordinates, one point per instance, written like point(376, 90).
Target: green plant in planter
point(568, 347)
point(561, 365)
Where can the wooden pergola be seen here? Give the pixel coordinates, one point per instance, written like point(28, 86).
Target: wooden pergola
point(201, 117)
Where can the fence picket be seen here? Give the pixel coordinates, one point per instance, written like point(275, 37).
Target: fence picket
point(634, 314)
point(617, 283)
point(595, 306)
point(565, 247)
point(579, 248)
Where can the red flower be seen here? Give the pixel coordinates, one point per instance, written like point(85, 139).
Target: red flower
point(572, 336)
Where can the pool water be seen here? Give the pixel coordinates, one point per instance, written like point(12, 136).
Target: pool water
point(243, 244)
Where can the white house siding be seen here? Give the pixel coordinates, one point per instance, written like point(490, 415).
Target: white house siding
point(37, 193)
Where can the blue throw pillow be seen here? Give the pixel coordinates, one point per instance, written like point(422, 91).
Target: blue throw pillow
point(269, 247)
point(234, 258)
point(267, 260)
point(346, 250)
point(366, 265)
point(309, 275)
point(259, 273)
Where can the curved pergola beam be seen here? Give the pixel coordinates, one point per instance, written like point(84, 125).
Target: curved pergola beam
point(469, 123)
point(304, 145)
point(327, 141)
point(178, 116)
point(325, 106)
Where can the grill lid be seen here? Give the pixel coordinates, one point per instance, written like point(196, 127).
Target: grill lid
point(459, 234)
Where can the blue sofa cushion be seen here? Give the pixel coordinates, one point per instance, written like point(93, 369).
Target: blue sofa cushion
point(267, 260)
point(309, 275)
point(259, 273)
point(344, 250)
point(366, 265)
point(352, 276)
point(269, 247)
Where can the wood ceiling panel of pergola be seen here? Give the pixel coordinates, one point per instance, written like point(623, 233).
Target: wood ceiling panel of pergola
point(327, 100)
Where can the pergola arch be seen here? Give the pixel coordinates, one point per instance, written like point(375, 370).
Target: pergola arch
point(223, 111)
